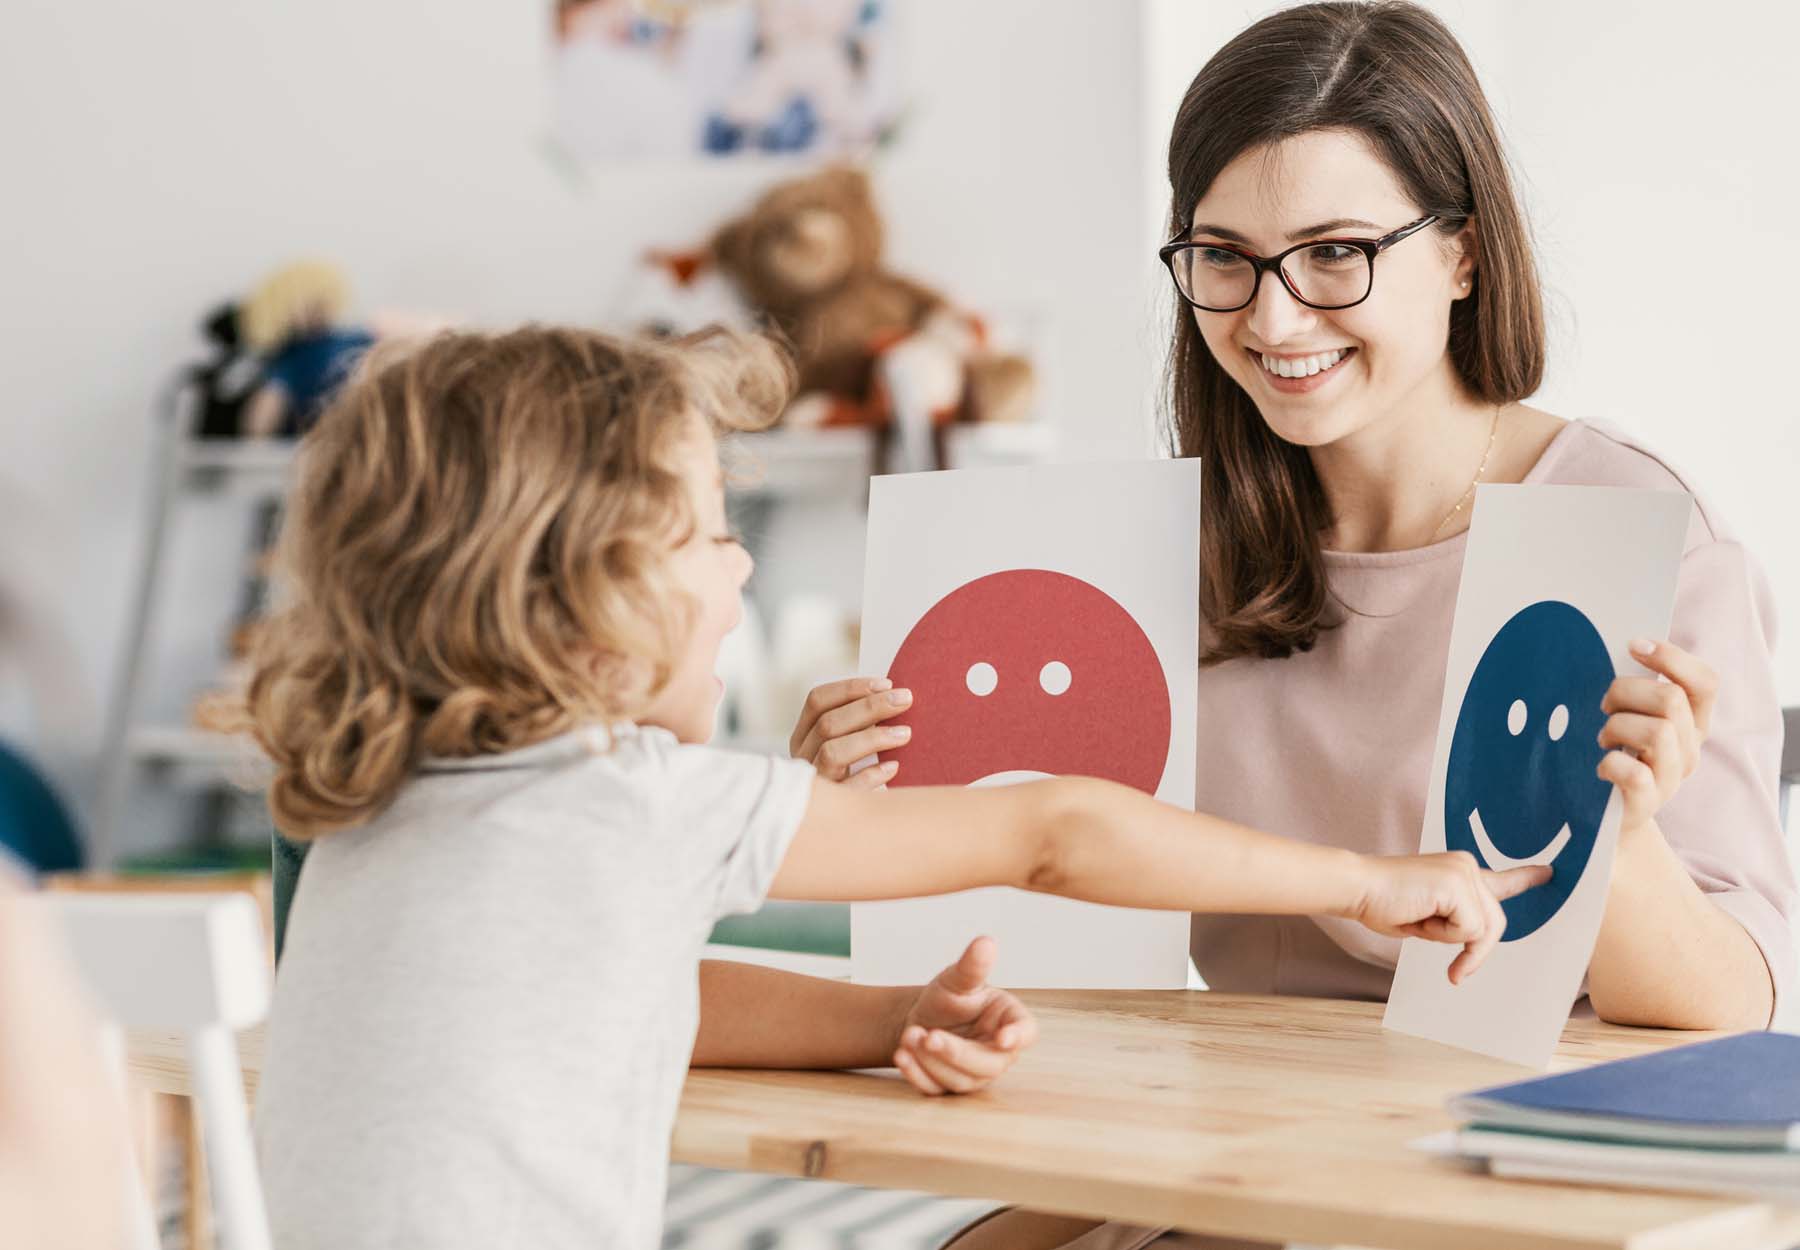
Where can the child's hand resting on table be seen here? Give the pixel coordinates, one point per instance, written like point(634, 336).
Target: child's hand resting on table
point(962, 1033)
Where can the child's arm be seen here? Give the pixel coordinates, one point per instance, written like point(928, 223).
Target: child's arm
point(1106, 843)
point(952, 1036)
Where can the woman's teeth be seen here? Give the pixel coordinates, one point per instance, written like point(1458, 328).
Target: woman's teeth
point(1302, 366)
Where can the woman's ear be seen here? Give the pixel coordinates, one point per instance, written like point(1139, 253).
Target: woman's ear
point(1465, 244)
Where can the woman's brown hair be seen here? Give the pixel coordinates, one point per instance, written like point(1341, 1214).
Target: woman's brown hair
point(474, 555)
point(1395, 75)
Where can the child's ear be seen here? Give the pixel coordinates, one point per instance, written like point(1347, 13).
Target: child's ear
point(620, 681)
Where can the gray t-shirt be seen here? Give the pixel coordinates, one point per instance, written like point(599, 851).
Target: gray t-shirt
point(489, 993)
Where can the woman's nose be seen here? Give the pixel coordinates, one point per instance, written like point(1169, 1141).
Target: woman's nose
point(1275, 315)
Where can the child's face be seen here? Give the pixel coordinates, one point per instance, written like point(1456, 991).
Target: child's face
point(712, 566)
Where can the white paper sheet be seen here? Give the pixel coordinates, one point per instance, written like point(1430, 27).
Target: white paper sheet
point(1047, 621)
point(1556, 583)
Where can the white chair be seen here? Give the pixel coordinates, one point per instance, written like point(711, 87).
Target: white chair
point(196, 964)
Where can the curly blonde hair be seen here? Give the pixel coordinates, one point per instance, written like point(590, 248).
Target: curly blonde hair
point(474, 553)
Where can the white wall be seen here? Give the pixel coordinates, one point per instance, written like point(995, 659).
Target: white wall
point(1656, 143)
point(156, 158)
point(1653, 142)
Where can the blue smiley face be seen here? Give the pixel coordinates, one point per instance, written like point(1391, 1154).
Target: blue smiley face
point(1521, 787)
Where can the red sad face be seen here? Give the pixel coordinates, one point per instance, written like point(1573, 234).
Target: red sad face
point(1031, 671)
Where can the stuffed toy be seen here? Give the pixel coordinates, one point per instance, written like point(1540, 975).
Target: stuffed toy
point(807, 259)
point(292, 320)
point(223, 384)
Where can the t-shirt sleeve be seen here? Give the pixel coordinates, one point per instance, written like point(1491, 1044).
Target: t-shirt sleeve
point(1723, 823)
point(734, 813)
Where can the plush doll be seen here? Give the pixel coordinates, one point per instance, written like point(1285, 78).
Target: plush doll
point(223, 384)
point(292, 319)
point(807, 258)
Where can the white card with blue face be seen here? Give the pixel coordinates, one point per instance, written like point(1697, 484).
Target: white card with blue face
point(1556, 582)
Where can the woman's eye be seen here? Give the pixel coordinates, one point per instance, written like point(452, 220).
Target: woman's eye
point(1217, 257)
point(1332, 254)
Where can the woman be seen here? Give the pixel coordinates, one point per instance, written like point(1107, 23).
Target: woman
point(1346, 407)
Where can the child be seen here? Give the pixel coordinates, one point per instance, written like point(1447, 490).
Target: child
point(511, 575)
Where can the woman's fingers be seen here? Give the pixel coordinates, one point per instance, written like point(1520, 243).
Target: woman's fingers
point(1698, 679)
point(1654, 740)
point(826, 698)
point(1648, 696)
point(1636, 782)
point(874, 777)
point(859, 714)
point(835, 755)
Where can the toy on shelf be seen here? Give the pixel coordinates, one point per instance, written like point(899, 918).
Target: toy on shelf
point(294, 320)
point(873, 348)
point(224, 384)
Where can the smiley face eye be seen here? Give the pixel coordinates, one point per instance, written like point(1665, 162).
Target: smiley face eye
point(1055, 677)
point(981, 679)
point(1559, 722)
point(1515, 718)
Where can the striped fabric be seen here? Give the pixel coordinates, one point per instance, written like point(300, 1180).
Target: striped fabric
point(710, 1210)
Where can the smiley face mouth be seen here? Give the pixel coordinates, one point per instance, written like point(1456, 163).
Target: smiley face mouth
point(1499, 861)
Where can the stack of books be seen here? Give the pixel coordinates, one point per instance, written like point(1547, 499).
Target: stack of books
point(1714, 1117)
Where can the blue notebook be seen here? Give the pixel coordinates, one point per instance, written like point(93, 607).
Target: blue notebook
point(1740, 1092)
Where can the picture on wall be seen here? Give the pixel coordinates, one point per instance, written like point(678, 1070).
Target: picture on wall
point(678, 79)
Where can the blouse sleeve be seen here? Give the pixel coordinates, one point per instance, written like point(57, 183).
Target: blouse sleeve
point(1723, 822)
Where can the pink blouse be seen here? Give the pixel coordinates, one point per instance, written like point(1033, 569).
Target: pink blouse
point(1334, 745)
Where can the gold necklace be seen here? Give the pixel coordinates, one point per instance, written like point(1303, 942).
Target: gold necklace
point(1493, 432)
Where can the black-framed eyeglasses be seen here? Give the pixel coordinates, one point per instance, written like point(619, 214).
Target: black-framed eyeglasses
point(1321, 273)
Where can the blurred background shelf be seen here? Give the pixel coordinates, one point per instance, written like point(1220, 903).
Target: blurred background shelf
point(833, 462)
point(262, 467)
point(201, 754)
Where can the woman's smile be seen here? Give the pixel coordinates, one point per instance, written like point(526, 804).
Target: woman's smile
point(1300, 375)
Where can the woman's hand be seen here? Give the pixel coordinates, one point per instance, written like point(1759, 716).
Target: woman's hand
point(1654, 728)
point(841, 724)
point(962, 1033)
point(1442, 898)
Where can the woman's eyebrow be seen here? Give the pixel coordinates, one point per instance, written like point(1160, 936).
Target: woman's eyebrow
point(1324, 227)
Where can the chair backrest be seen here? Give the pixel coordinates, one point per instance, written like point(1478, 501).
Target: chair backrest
point(1790, 758)
point(195, 964)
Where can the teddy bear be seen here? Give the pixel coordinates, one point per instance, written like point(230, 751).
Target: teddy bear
point(871, 347)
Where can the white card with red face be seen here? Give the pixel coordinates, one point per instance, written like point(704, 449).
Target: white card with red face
point(1046, 620)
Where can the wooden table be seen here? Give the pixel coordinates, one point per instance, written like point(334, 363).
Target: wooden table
point(1276, 1118)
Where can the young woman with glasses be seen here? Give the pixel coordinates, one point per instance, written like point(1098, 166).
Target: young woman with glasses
point(1359, 325)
